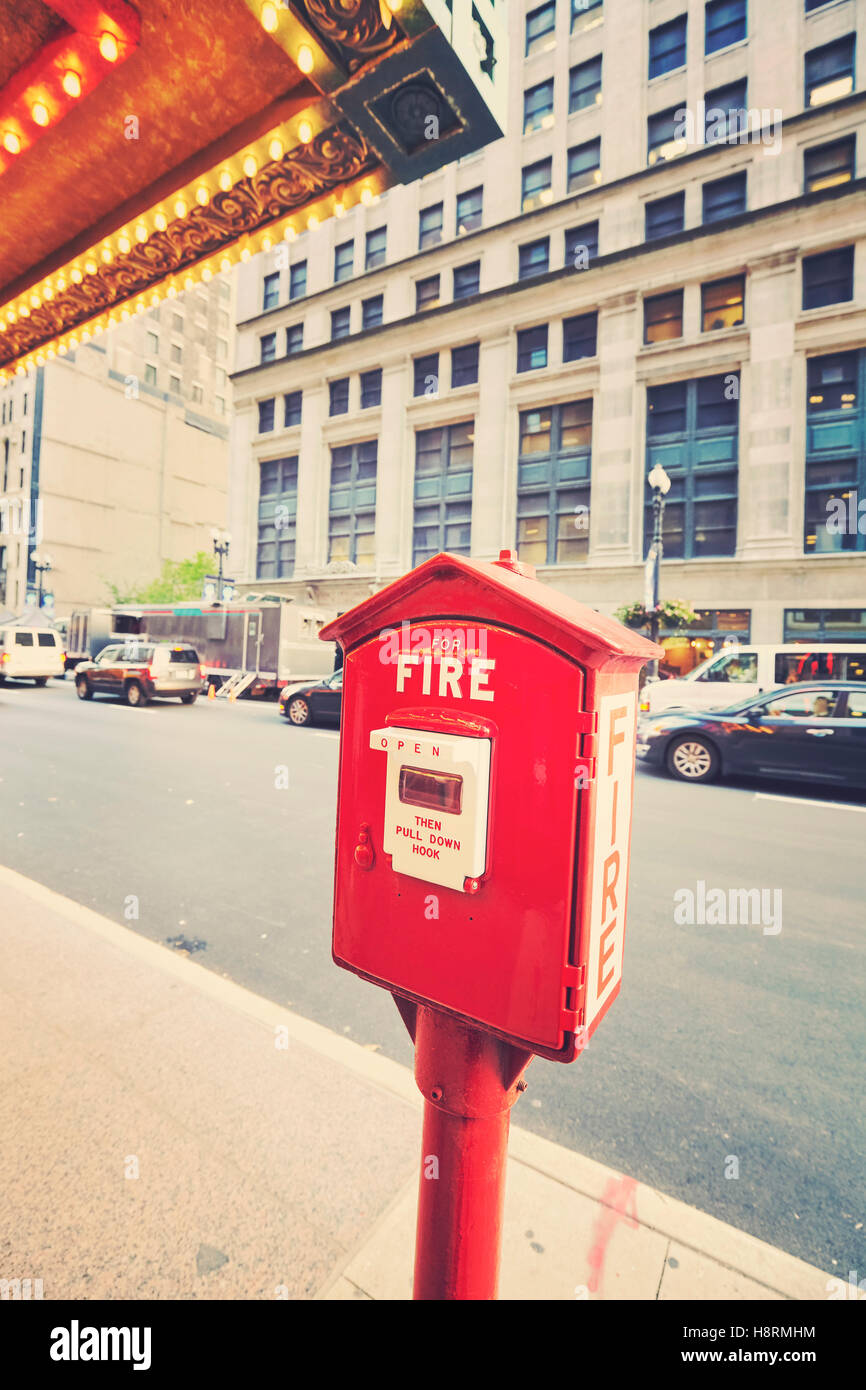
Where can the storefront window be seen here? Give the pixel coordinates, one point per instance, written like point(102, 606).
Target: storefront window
point(712, 630)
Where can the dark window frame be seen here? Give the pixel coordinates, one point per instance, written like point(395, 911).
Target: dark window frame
point(554, 484)
point(349, 502)
point(451, 504)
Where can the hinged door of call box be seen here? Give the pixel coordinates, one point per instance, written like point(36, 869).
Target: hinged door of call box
point(482, 791)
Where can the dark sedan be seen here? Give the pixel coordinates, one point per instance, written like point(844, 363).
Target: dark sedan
point(305, 704)
point(813, 732)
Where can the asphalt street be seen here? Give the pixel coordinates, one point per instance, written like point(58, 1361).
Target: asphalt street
point(728, 1074)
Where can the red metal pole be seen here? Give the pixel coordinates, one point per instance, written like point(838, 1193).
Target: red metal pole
point(469, 1081)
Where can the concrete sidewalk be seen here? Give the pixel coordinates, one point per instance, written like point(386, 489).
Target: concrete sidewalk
point(165, 1133)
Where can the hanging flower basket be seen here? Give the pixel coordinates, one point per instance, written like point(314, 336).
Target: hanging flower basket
point(671, 613)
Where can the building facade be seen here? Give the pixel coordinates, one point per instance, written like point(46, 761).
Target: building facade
point(114, 458)
point(664, 261)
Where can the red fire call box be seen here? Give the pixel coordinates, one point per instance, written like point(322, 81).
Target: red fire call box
point(484, 814)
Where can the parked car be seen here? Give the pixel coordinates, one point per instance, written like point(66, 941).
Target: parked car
point(306, 703)
point(738, 672)
point(30, 653)
point(813, 732)
point(138, 671)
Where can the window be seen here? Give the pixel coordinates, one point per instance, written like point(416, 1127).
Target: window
point(553, 484)
point(430, 226)
point(825, 166)
point(222, 349)
point(372, 311)
point(835, 471)
point(267, 346)
point(277, 519)
point(724, 197)
point(534, 258)
point(579, 337)
point(150, 374)
point(197, 393)
point(271, 291)
point(830, 71)
point(375, 248)
point(177, 352)
point(692, 429)
point(220, 403)
point(352, 504)
point(174, 384)
point(667, 46)
point(828, 278)
point(469, 210)
point(725, 24)
point(464, 365)
point(663, 317)
point(344, 261)
point(443, 491)
point(581, 244)
point(292, 403)
point(153, 343)
point(582, 7)
point(538, 107)
point(584, 85)
point(584, 164)
point(665, 216)
point(298, 280)
point(665, 137)
point(371, 388)
point(467, 280)
point(294, 338)
point(426, 293)
point(266, 415)
point(726, 117)
point(540, 25)
point(828, 625)
point(338, 392)
point(425, 375)
point(341, 322)
point(723, 304)
point(532, 348)
point(176, 323)
point(535, 185)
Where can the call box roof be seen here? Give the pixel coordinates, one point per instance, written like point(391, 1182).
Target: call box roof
point(459, 591)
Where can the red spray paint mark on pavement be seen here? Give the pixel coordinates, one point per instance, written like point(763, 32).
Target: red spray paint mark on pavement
point(618, 1195)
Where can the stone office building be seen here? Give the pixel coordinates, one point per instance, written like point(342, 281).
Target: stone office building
point(663, 261)
point(115, 457)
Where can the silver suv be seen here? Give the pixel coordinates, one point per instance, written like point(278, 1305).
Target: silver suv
point(138, 670)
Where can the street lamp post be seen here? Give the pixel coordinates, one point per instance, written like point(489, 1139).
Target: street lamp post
point(221, 542)
point(661, 485)
point(41, 564)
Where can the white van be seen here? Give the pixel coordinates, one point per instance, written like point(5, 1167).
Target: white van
point(739, 672)
point(31, 653)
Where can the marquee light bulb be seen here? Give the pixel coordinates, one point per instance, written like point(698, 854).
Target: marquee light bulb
point(225, 181)
point(39, 113)
point(275, 149)
point(160, 221)
point(108, 47)
point(250, 166)
point(71, 83)
point(11, 142)
point(269, 17)
point(202, 196)
point(305, 132)
point(306, 61)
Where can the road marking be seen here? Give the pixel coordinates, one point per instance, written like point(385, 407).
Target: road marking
point(803, 801)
